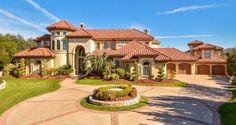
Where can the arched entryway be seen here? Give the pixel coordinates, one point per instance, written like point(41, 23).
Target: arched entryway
point(184, 68)
point(171, 68)
point(218, 70)
point(79, 59)
point(204, 70)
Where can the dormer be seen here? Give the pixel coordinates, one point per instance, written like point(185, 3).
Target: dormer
point(194, 43)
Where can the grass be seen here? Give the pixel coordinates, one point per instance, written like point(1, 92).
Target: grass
point(101, 82)
point(85, 103)
point(228, 110)
point(19, 89)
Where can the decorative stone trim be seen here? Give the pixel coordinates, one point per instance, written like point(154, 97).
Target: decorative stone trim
point(115, 103)
point(3, 84)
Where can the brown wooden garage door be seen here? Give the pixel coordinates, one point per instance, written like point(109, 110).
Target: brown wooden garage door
point(170, 68)
point(204, 70)
point(218, 70)
point(184, 68)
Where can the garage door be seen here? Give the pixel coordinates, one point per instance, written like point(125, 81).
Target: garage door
point(218, 70)
point(204, 70)
point(170, 68)
point(184, 68)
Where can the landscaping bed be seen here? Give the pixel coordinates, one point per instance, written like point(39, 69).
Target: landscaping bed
point(19, 89)
point(168, 83)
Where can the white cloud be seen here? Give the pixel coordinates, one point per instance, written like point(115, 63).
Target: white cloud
point(184, 36)
point(43, 10)
point(21, 20)
point(191, 8)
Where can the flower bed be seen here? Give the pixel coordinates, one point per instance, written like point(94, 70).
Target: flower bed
point(115, 96)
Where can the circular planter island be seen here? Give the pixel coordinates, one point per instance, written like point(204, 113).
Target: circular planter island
point(114, 98)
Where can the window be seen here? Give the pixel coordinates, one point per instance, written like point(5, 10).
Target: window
point(64, 33)
point(105, 45)
point(58, 45)
point(113, 45)
point(58, 33)
point(45, 43)
point(146, 68)
point(146, 43)
point(207, 53)
point(122, 43)
point(117, 63)
point(98, 45)
point(53, 33)
point(53, 45)
point(65, 44)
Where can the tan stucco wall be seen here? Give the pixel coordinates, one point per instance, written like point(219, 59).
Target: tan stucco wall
point(30, 64)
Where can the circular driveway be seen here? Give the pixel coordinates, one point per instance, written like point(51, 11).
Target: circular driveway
point(193, 105)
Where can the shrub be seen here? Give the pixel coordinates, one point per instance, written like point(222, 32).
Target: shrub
point(105, 94)
point(65, 70)
point(127, 75)
point(172, 75)
point(234, 81)
point(114, 76)
point(161, 75)
point(120, 72)
point(135, 74)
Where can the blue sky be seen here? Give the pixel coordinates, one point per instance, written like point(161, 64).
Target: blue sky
point(173, 22)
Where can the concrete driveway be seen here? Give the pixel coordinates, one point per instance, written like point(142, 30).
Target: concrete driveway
point(193, 105)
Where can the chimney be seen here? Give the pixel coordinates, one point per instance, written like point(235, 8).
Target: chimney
point(82, 26)
point(147, 31)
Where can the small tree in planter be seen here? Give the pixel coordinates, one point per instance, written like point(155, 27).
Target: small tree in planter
point(135, 74)
point(21, 68)
point(161, 75)
point(107, 72)
point(44, 68)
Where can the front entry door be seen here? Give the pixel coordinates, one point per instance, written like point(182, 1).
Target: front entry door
point(80, 67)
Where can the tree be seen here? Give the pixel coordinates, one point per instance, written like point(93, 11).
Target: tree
point(231, 60)
point(161, 75)
point(44, 67)
point(21, 67)
point(135, 74)
point(9, 45)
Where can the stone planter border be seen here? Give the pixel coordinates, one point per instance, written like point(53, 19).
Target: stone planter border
point(115, 103)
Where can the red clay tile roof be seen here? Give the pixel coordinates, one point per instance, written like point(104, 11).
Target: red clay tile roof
point(215, 59)
point(35, 53)
point(134, 49)
point(195, 42)
point(62, 25)
point(175, 54)
point(79, 33)
point(45, 37)
point(98, 52)
point(115, 34)
point(207, 46)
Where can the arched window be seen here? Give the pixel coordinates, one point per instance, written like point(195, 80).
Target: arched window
point(81, 52)
point(105, 45)
point(53, 45)
point(146, 68)
point(58, 44)
point(65, 44)
point(113, 45)
point(117, 63)
point(98, 45)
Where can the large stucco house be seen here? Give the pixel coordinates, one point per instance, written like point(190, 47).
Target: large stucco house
point(68, 44)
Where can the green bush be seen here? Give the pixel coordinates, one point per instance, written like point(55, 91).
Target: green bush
point(234, 81)
point(114, 76)
point(120, 72)
point(105, 94)
point(161, 75)
point(65, 70)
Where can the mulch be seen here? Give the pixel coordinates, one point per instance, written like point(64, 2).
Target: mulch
point(59, 77)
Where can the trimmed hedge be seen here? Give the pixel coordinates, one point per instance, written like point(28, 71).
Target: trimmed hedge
point(105, 94)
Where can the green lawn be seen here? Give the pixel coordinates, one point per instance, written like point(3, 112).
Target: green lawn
point(228, 110)
point(18, 90)
point(85, 103)
point(101, 82)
